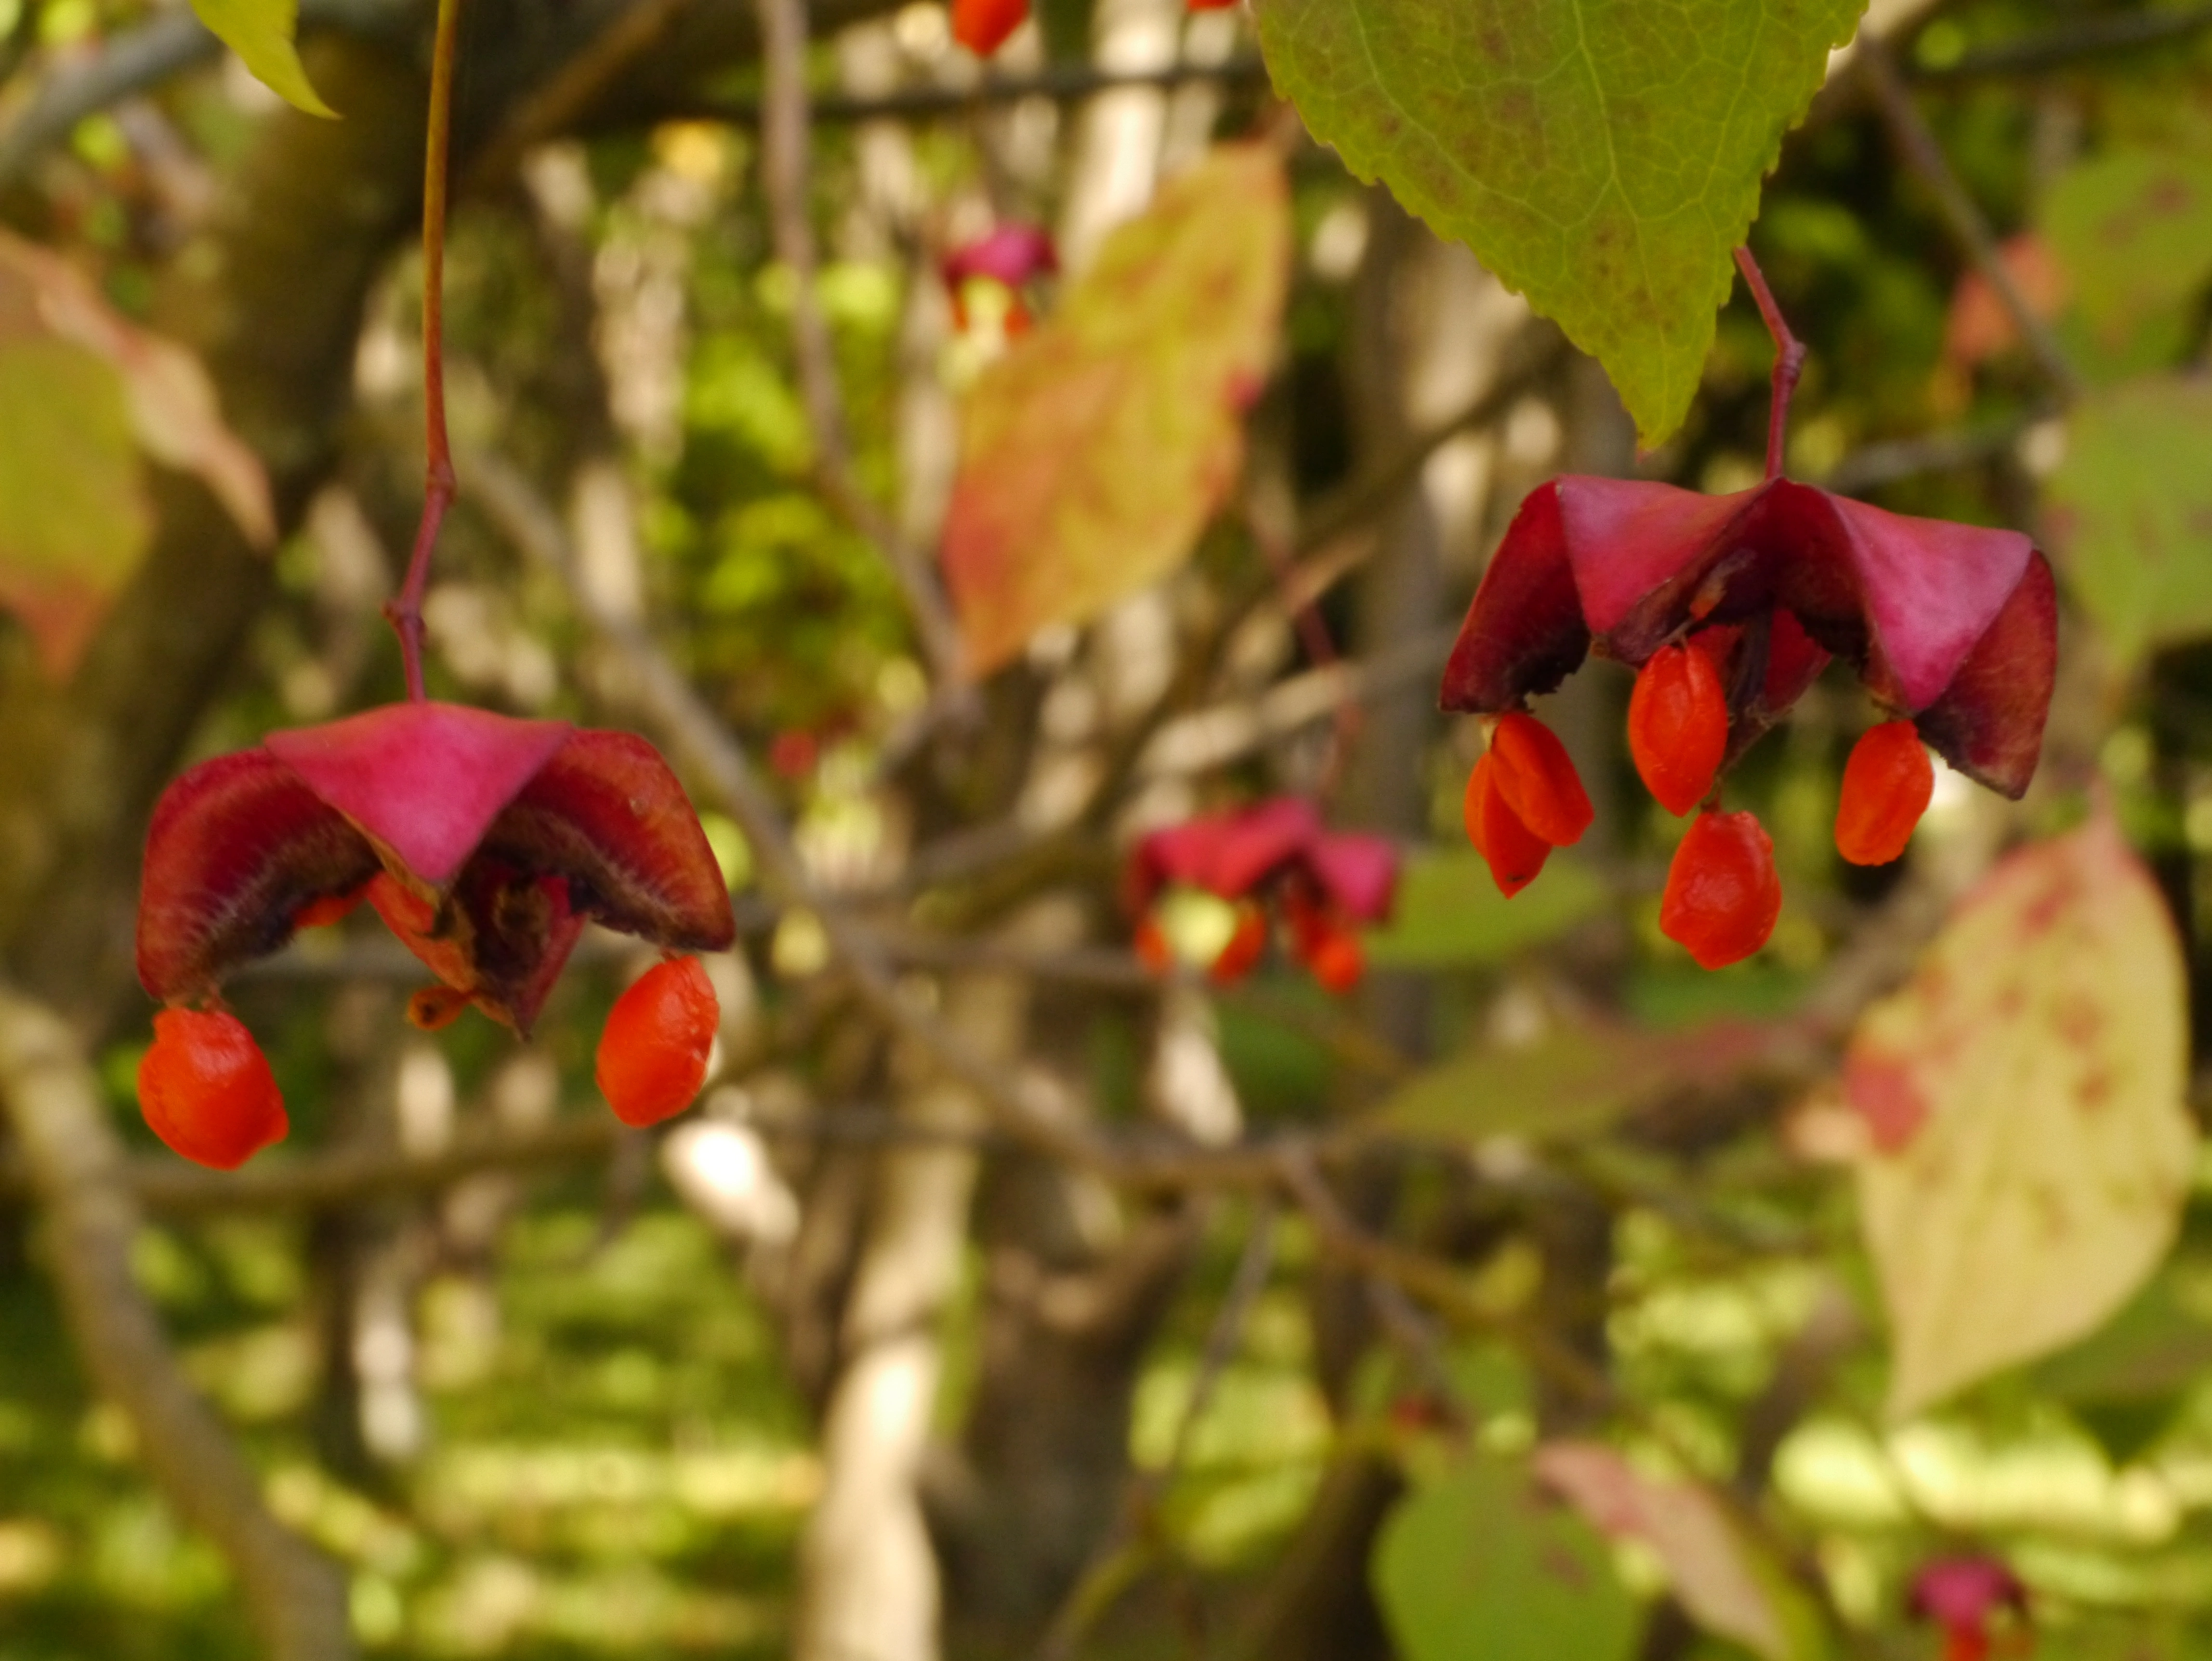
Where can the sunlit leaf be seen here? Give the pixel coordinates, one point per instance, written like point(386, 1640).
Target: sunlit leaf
point(173, 409)
point(1603, 157)
point(1573, 1081)
point(1449, 912)
point(77, 383)
point(2025, 1094)
point(73, 515)
point(1093, 452)
point(2130, 511)
point(261, 32)
point(1716, 1574)
point(1476, 1564)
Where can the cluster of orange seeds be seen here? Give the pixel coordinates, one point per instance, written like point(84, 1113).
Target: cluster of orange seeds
point(1723, 896)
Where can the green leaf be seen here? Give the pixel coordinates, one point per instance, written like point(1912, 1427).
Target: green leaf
point(2132, 230)
point(2025, 1094)
point(2130, 511)
point(73, 515)
point(1574, 1080)
point(1093, 452)
point(1450, 915)
point(1603, 157)
point(261, 33)
point(1476, 1565)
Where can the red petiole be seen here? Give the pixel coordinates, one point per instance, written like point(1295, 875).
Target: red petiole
point(404, 610)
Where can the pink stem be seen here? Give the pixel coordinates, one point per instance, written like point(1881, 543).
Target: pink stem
point(405, 610)
point(1788, 360)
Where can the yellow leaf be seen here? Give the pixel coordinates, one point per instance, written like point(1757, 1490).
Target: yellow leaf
point(1093, 452)
point(2025, 1092)
point(261, 33)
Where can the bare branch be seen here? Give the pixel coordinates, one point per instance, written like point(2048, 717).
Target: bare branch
point(1134, 1543)
point(784, 174)
point(2063, 47)
point(296, 1598)
point(1064, 83)
point(1921, 151)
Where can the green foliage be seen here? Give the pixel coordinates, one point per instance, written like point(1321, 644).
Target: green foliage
point(1574, 1080)
point(1449, 913)
point(73, 519)
point(2131, 511)
point(261, 33)
point(1602, 156)
point(1474, 1563)
point(2132, 229)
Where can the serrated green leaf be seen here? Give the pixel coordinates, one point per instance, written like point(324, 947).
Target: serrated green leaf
point(1603, 157)
point(2130, 512)
point(1478, 1565)
point(261, 32)
point(1450, 915)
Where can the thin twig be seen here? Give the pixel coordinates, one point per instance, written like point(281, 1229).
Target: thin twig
point(785, 167)
point(1123, 1557)
point(1967, 227)
point(553, 108)
point(1061, 82)
point(405, 610)
point(2064, 46)
point(324, 1182)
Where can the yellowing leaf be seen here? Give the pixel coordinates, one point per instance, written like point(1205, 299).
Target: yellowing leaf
point(77, 383)
point(171, 402)
point(261, 33)
point(1093, 452)
point(1603, 157)
point(1710, 1568)
point(73, 518)
point(2025, 1092)
point(2130, 511)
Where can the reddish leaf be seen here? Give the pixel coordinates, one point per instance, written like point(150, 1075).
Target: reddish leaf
point(1709, 1564)
point(1980, 326)
point(1095, 450)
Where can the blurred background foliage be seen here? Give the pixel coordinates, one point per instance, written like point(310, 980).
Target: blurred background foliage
point(571, 1401)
